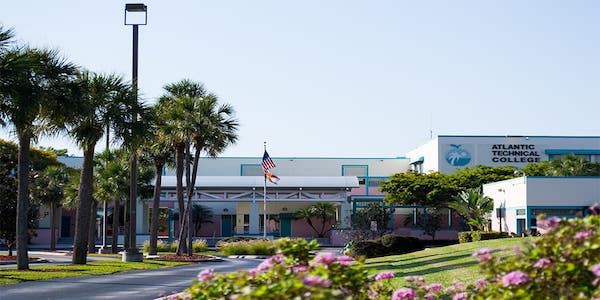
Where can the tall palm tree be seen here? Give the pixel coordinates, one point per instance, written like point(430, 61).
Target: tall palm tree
point(215, 129)
point(174, 109)
point(36, 93)
point(473, 206)
point(159, 153)
point(324, 211)
point(101, 96)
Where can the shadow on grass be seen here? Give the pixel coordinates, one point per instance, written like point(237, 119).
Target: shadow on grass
point(432, 270)
point(402, 265)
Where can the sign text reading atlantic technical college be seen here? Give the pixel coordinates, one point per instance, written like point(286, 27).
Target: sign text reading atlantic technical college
point(514, 153)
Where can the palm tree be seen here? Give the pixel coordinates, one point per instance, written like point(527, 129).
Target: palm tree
point(216, 129)
point(474, 207)
point(324, 211)
point(200, 215)
point(572, 165)
point(160, 154)
point(36, 93)
point(173, 111)
point(101, 95)
point(50, 190)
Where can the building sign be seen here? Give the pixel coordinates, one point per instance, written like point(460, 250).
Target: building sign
point(458, 156)
point(515, 153)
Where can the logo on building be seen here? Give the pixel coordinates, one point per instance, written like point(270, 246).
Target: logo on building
point(457, 156)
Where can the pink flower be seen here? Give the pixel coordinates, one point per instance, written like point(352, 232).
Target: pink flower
point(206, 274)
point(460, 296)
point(404, 294)
point(385, 275)
point(514, 278)
point(548, 223)
point(300, 269)
point(517, 250)
point(450, 289)
point(595, 209)
point(345, 260)
point(325, 258)
point(481, 282)
point(416, 279)
point(434, 287)
point(429, 296)
point(596, 270)
point(543, 263)
point(267, 263)
point(582, 235)
point(482, 251)
point(316, 281)
point(372, 294)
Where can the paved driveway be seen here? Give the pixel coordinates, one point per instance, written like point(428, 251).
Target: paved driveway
point(139, 284)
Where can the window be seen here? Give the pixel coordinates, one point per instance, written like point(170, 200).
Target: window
point(358, 170)
point(251, 170)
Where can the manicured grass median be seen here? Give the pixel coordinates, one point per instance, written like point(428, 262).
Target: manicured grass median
point(10, 276)
point(444, 264)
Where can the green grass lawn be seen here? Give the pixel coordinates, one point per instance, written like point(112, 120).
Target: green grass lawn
point(10, 276)
point(443, 264)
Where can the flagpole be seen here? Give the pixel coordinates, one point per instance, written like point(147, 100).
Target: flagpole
point(265, 202)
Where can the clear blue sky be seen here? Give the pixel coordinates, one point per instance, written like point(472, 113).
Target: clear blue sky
point(347, 78)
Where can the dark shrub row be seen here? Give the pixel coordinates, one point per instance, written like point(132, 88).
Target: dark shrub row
point(389, 244)
point(474, 236)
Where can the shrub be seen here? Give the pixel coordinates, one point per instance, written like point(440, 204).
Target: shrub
point(232, 239)
point(252, 247)
point(288, 276)
point(161, 246)
point(369, 249)
point(199, 246)
point(474, 236)
point(389, 244)
point(464, 237)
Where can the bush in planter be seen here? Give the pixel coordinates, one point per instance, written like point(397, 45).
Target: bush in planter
point(252, 247)
point(233, 239)
point(199, 245)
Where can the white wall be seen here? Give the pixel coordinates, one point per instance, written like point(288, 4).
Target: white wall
point(429, 151)
point(562, 191)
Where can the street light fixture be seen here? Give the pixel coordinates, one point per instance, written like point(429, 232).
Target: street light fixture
point(135, 15)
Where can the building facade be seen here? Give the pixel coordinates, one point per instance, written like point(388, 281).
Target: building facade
point(232, 187)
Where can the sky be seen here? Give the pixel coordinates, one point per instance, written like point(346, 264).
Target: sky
point(345, 78)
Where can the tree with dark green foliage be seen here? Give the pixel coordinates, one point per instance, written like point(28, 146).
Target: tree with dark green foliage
point(413, 188)
point(8, 189)
point(36, 95)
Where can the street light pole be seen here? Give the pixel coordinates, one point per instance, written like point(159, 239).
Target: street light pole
point(137, 16)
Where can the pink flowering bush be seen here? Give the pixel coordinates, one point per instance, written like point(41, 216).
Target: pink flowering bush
point(562, 264)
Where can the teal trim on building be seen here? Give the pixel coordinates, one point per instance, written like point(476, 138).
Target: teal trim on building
point(572, 151)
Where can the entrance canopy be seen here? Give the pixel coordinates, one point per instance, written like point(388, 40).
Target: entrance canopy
point(250, 188)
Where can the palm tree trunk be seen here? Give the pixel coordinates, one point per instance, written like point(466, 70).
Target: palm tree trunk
point(155, 207)
point(115, 226)
point(80, 244)
point(23, 201)
point(92, 228)
point(184, 231)
point(179, 156)
point(53, 208)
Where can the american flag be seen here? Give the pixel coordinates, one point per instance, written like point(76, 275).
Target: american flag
point(267, 162)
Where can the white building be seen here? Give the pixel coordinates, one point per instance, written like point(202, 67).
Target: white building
point(518, 201)
point(447, 153)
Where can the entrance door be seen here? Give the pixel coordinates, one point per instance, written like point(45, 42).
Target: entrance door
point(285, 225)
point(520, 226)
point(65, 226)
point(226, 225)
